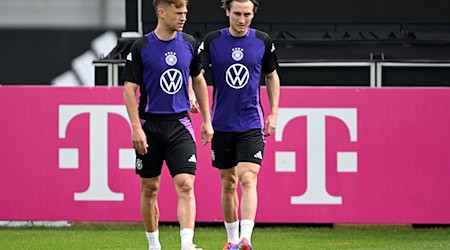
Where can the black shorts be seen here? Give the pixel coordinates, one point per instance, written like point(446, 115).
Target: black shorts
point(230, 148)
point(170, 138)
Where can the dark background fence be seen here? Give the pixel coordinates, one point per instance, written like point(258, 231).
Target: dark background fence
point(304, 31)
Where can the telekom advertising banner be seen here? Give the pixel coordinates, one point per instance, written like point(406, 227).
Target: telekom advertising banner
point(339, 155)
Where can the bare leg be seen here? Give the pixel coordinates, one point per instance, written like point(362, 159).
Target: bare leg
point(230, 202)
point(149, 203)
point(184, 186)
point(248, 177)
point(186, 211)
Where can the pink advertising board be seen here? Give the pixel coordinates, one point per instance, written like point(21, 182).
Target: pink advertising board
point(339, 155)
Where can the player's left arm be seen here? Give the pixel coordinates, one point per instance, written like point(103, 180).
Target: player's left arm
point(193, 98)
point(273, 92)
point(270, 65)
point(201, 91)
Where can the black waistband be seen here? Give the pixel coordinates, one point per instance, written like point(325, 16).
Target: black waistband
point(163, 117)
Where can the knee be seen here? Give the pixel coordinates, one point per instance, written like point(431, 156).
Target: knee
point(186, 186)
point(229, 183)
point(149, 189)
point(248, 180)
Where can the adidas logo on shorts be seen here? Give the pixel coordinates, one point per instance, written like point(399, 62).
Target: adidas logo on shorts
point(258, 155)
point(193, 159)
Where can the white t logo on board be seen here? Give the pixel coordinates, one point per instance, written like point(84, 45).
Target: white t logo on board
point(316, 191)
point(98, 189)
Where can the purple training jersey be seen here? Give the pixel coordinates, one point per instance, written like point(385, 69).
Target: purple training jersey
point(162, 69)
point(236, 65)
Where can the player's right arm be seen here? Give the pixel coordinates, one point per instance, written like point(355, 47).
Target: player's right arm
point(132, 77)
point(138, 137)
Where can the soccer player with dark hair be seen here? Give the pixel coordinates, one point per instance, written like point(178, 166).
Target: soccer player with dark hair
point(236, 56)
point(160, 65)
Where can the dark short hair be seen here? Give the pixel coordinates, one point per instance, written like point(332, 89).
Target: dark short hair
point(177, 3)
point(226, 4)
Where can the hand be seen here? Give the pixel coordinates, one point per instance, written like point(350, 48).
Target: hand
point(194, 105)
point(139, 140)
point(270, 125)
point(207, 133)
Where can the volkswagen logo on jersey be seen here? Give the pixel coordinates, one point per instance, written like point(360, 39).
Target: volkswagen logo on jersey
point(171, 81)
point(237, 76)
point(171, 58)
point(237, 54)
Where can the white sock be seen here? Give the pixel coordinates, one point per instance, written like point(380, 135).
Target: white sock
point(232, 231)
point(187, 236)
point(247, 229)
point(153, 239)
